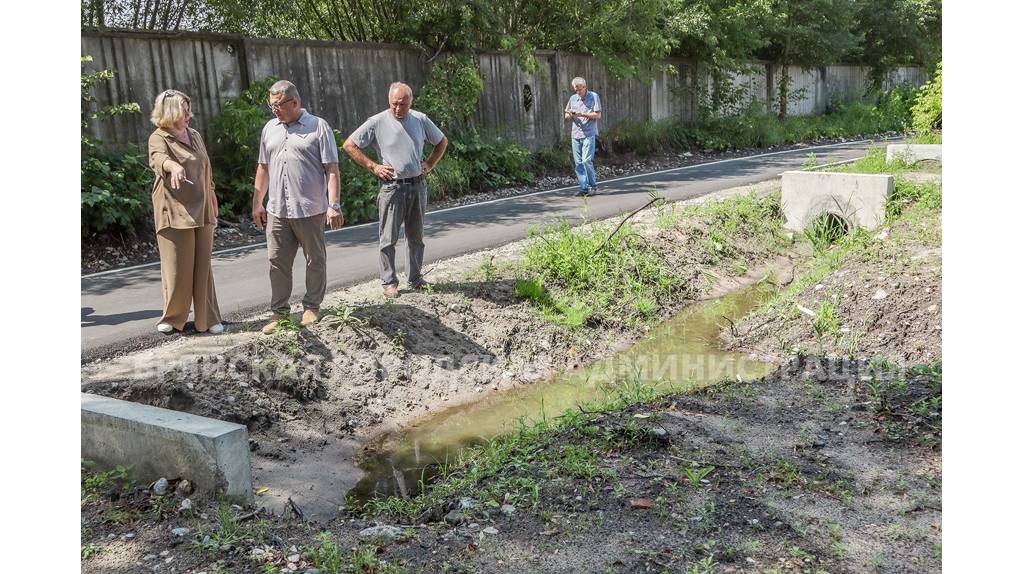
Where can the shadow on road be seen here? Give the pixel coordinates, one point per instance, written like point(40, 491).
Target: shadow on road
point(90, 320)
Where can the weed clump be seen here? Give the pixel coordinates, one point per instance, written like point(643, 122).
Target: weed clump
point(595, 280)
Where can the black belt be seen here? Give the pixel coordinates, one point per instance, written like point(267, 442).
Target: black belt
point(407, 180)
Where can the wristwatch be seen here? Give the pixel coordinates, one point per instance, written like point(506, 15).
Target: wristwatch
point(335, 206)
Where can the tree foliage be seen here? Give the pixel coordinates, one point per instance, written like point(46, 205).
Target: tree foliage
point(897, 33)
point(807, 33)
point(627, 36)
point(927, 110)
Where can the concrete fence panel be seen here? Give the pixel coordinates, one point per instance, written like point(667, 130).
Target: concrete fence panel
point(347, 82)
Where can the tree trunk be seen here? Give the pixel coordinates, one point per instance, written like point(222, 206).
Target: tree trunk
point(784, 91)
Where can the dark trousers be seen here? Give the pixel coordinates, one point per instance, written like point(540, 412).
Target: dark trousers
point(401, 204)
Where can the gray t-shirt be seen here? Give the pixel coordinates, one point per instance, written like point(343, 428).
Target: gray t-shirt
point(295, 155)
point(399, 142)
point(584, 127)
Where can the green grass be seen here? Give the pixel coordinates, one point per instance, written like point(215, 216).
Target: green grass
point(330, 557)
point(576, 276)
point(695, 475)
point(931, 137)
point(288, 323)
point(95, 484)
point(228, 531)
point(825, 231)
point(826, 321)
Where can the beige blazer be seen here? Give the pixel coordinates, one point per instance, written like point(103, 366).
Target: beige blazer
point(192, 204)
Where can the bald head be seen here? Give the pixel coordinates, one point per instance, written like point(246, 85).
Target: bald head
point(399, 99)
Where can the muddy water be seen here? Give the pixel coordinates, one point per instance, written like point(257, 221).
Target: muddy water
point(682, 353)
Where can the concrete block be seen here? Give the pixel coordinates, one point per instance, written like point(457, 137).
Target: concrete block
point(858, 198)
point(911, 153)
point(213, 454)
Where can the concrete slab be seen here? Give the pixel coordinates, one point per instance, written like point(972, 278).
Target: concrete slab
point(212, 454)
point(911, 153)
point(858, 198)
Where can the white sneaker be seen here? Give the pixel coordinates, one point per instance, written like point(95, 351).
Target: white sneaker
point(165, 328)
point(216, 329)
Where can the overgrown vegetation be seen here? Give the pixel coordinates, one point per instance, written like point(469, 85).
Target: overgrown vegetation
point(927, 111)
point(115, 181)
point(753, 126)
point(600, 276)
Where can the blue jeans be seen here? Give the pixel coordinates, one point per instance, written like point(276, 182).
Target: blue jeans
point(583, 155)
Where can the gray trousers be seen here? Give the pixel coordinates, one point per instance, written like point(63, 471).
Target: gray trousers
point(284, 236)
point(401, 204)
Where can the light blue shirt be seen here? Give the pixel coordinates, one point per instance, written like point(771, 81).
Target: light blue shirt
point(584, 127)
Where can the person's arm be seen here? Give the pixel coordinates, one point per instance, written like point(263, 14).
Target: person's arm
point(335, 218)
point(385, 172)
point(259, 191)
point(162, 163)
point(435, 155)
point(595, 111)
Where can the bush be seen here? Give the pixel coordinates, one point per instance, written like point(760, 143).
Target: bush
point(927, 111)
point(234, 146)
point(116, 186)
point(357, 186)
point(753, 126)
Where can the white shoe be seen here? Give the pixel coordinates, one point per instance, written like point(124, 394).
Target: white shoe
point(165, 328)
point(216, 329)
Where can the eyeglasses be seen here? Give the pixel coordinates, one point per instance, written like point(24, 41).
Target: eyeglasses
point(277, 106)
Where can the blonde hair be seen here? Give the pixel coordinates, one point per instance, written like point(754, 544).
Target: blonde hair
point(169, 108)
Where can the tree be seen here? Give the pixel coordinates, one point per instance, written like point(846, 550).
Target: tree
point(91, 111)
point(807, 33)
point(718, 36)
point(897, 33)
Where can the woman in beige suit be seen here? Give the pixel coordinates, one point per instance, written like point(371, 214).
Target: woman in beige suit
point(185, 211)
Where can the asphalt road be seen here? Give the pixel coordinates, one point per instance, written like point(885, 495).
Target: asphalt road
point(120, 308)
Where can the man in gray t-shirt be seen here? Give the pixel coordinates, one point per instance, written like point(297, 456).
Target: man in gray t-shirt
point(398, 134)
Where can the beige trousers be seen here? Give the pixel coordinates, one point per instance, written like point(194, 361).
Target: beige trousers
point(284, 236)
point(187, 277)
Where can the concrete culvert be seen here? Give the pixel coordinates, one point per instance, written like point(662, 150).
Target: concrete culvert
point(826, 229)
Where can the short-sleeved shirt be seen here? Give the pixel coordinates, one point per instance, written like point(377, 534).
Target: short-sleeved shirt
point(584, 127)
point(295, 155)
point(399, 142)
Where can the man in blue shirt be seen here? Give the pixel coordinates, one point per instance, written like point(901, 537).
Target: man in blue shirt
point(584, 109)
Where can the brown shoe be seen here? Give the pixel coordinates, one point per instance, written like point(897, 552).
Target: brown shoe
point(391, 291)
point(309, 316)
point(272, 325)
